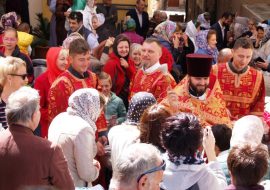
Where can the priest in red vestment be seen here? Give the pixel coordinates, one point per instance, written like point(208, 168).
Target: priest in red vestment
point(77, 76)
point(199, 94)
point(152, 77)
point(243, 86)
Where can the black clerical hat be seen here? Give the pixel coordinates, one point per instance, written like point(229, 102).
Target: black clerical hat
point(199, 65)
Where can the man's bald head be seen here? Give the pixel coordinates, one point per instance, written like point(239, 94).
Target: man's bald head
point(225, 55)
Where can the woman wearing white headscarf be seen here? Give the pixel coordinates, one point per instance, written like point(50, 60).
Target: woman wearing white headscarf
point(88, 12)
point(99, 28)
point(192, 32)
point(74, 130)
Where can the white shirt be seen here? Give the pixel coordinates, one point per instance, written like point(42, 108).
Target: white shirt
point(152, 68)
point(222, 29)
point(139, 17)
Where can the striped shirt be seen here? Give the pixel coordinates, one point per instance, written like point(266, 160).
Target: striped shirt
point(3, 119)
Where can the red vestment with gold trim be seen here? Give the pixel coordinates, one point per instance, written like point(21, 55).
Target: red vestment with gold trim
point(244, 93)
point(61, 90)
point(157, 83)
point(210, 111)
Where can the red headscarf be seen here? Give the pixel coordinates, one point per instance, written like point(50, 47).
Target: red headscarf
point(52, 69)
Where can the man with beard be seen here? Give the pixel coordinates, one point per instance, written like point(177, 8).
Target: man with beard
point(222, 27)
point(243, 86)
point(198, 93)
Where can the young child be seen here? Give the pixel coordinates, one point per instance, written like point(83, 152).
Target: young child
point(115, 111)
point(24, 38)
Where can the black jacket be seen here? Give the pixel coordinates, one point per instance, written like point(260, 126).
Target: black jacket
point(142, 31)
point(111, 17)
point(221, 42)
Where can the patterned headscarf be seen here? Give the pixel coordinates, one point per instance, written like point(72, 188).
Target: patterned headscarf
point(165, 30)
point(204, 23)
point(138, 103)
point(73, 36)
point(9, 20)
point(201, 42)
point(85, 103)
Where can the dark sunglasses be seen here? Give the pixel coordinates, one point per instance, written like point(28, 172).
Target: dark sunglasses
point(155, 169)
point(23, 76)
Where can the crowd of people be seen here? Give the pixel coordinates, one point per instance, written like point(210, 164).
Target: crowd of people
point(160, 105)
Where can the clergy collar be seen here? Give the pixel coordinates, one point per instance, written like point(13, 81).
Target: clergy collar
point(77, 74)
point(152, 68)
point(236, 71)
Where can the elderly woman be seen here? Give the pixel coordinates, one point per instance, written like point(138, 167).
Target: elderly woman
point(206, 41)
point(135, 55)
point(151, 125)
point(74, 130)
point(25, 158)
point(164, 33)
point(88, 12)
point(185, 169)
point(204, 19)
point(13, 75)
point(99, 28)
point(7, 20)
point(56, 64)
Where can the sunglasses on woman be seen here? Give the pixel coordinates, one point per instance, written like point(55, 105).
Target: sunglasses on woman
point(155, 169)
point(23, 76)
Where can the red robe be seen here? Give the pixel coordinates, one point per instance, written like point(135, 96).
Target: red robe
point(244, 93)
point(61, 90)
point(43, 86)
point(210, 111)
point(117, 73)
point(157, 83)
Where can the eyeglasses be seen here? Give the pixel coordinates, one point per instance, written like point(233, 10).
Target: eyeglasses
point(155, 169)
point(23, 76)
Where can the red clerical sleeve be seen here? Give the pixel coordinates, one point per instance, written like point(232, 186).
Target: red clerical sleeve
point(258, 106)
point(166, 58)
point(101, 124)
point(165, 84)
point(58, 96)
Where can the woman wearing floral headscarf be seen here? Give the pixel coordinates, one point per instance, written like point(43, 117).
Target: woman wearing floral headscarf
point(206, 41)
point(204, 19)
point(56, 64)
point(74, 130)
point(164, 32)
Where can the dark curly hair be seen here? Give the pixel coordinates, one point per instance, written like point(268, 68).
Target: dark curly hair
point(182, 135)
